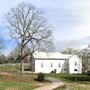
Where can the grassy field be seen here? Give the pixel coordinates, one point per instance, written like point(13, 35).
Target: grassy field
point(12, 67)
point(72, 82)
point(12, 85)
point(15, 81)
point(70, 77)
point(74, 86)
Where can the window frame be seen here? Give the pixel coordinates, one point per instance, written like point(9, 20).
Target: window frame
point(59, 64)
point(75, 63)
point(41, 64)
point(51, 64)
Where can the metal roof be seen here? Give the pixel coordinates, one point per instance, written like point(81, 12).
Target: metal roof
point(51, 55)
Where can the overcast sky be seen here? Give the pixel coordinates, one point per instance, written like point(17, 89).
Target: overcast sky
point(70, 18)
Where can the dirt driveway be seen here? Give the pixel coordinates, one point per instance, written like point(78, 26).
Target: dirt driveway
point(55, 83)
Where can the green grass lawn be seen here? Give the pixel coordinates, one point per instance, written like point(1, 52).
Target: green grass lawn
point(73, 86)
point(9, 81)
point(12, 67)
point(72, 82)
point(12, 85)
point(15, 82)
point(70, 77)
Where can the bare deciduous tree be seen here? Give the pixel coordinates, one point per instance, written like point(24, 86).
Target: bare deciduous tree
point(2, 58)
point(85, 55)
point(14, 56)
point(1, 42)
point(28, 26)
point(71, 51)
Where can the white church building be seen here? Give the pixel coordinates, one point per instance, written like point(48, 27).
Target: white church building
point(61, 63)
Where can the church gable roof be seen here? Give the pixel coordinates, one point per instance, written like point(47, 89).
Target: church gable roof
point(52, 55)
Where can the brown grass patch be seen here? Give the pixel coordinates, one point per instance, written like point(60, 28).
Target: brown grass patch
point(13, 88)
point(18, 77)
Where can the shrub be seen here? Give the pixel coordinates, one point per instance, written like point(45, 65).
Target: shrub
point(52, 72)
point(40, 77)
point(88, 72)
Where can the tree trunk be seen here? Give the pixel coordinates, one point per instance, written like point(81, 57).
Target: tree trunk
point(32, 62)
point(22, 66)
point(22, 61)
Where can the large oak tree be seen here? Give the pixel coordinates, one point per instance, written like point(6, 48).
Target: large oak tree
point(28, 26)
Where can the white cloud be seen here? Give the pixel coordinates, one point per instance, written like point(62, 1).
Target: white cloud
point(77, 44)
point(80, 34)
point(80, 10)
point(83, 29)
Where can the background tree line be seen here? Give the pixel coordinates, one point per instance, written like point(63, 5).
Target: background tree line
point(84, 54)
